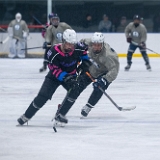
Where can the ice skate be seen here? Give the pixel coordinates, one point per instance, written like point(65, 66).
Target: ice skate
point(23, 119)
point(148, 67)
point(12, 55)
point(127, 67)
point(43, 69)
point(21, 55)
point(85, 110)
point(60, 118)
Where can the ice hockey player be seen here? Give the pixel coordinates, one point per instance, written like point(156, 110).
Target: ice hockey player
point(103, 67)
point(47, 25)
point(18, 32)
point(136, 35)
point(63, 60)
point(104, 72)
point(53, 36)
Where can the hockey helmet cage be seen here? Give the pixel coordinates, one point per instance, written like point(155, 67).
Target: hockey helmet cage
point(55, 19)
point(70, 36)
point(97, 37)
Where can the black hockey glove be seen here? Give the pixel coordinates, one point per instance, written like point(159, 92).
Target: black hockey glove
point(46, 45)
point(84, 66)
point(70, 81)
point(129, 39)
point(101, 82)
point(83, 81)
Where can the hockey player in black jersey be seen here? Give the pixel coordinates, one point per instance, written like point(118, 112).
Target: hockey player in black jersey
point(63, 60)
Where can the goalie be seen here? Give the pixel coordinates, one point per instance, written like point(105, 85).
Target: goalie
point(18, 32)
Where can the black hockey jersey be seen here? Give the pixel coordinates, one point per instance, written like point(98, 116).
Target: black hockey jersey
point(61, 64)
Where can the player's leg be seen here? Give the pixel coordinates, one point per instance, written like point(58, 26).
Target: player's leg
point(93, 100)
point(44, 67)
point(131, 50)
point(12, 48)
point(145, 57)
point(73, 93)
point(21, 53)
point(48, 88)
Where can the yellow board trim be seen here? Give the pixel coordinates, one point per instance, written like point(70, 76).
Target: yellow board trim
point(139, 55)
point(119, 54)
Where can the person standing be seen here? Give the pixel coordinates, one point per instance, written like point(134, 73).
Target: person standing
point(122, 25)
point(18, 32)
point(63, 60)
point(53, 36)
point(136, 35)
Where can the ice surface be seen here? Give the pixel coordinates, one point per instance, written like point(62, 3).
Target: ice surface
point(107, 133)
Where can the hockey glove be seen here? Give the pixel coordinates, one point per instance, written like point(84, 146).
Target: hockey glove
point(129, 39)
point(101, 82)
point(142, 44)
point(45, 45)
point(83, 81)
point(70, 81)
point(84, 66)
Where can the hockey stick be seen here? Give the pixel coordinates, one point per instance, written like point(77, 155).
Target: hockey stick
point(2, 29)
point(35, 47)
point(38, 21)
point(118, 107)
point(144, 47)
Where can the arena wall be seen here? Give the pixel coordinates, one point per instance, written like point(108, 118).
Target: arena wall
point(116, 40)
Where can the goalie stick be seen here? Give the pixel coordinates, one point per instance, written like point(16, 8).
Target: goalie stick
point(116, 105)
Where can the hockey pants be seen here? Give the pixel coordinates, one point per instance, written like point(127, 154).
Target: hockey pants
point(132, 49)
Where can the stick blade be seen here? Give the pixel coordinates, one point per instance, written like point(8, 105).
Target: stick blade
point(127, 108)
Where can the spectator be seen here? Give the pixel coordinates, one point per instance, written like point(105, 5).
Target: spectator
point(105, 25)
point(122, 25)
point(88, 21)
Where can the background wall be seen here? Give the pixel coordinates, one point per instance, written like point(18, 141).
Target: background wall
point(116, 40)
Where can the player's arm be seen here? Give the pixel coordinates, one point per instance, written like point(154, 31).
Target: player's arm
point(54, 65)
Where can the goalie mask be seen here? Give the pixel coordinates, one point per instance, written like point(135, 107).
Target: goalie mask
point(69, 40)
point(97, 42)
point(18, 17)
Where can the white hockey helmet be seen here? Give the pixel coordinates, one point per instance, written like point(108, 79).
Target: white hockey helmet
point(18, 17)
point(97, 37)
point(70, 36)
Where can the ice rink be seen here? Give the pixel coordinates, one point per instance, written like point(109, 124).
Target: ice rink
point(106, 134)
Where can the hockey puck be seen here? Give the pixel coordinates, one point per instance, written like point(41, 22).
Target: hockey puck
point(54, 128)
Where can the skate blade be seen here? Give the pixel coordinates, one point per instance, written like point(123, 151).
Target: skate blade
point(58, 124)
point(83, 117)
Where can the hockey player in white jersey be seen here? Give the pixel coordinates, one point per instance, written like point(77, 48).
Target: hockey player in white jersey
point(104, 71)
point(18, 32)
point(136, 35)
